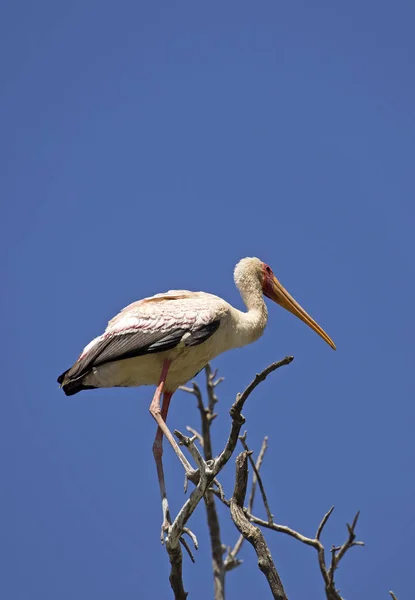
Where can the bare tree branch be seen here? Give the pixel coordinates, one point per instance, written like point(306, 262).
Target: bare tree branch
point(231, 561)
point(192, 536)
point(177, 528)
point(327, 573)
point(250, 532)
point(176, 576)
point(338, 552)
point(197, 434)
point(208, 469)
point(323, 523)
point(216, 547)
point(393, 596)
point(236, 411)
point(186, 547)
point(207, 416)
point(255, 477)
point(207, 486)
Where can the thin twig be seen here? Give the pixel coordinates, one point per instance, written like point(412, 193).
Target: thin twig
point(258, 465)
point(323, 523)
point(284, 529)
point(193, 449)
point(236, 412)
point(393, 596)
point(211, 384)
point(220, 489)
point(195, 390)
point(250, 532)
point(186, 547)
point(192, 536)
point(257, 476)
point(197, 434)
point(350, 541)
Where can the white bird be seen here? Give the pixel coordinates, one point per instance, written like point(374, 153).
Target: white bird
point(166, 339)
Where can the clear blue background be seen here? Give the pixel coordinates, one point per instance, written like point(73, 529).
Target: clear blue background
point(148, 146)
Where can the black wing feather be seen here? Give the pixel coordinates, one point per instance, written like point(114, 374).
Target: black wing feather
point(82, 366)
point(136, 343)
point(202, 334)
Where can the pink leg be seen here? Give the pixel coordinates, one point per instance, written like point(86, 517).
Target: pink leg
point(158, 457)
point(156, 413)
point(160, 415)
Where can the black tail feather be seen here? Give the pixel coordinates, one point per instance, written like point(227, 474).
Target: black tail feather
point(61, 377)
point(73, 387)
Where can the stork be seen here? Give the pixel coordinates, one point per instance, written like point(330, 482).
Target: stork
point(166, 339)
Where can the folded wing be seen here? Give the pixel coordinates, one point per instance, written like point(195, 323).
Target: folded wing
point(151, 325)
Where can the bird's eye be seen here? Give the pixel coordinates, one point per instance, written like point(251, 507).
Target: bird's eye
point(268, 270)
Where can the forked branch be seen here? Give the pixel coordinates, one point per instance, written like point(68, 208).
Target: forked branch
point(251, 533)
point(338, 553)
point(231, 560)
point(208, 467)
point(207, 487)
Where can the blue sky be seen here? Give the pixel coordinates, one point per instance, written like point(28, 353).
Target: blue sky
point(149, 146)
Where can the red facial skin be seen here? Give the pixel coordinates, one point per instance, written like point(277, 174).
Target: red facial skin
point(267, 287)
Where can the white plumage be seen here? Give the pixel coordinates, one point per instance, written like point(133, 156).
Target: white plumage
point(171, 320)
point(165, 313)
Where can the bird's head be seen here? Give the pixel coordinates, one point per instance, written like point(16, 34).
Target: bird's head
point(251, 271)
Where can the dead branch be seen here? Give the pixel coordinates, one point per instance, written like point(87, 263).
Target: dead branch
point(216, 547)
point(176, 577)
point(177, 528)
point(250, 532)
point(337, 552)
point(258, 466)
point(207, 415)
point(231, 561)
point(236, 411)
point(209, 468)
point(207, 486)
point(393, 596)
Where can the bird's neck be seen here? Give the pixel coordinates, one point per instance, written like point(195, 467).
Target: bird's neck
point(250, 325)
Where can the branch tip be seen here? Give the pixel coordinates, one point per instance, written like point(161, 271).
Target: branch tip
point(323, 522)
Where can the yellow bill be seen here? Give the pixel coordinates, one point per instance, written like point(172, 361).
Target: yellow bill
point(280, 295)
